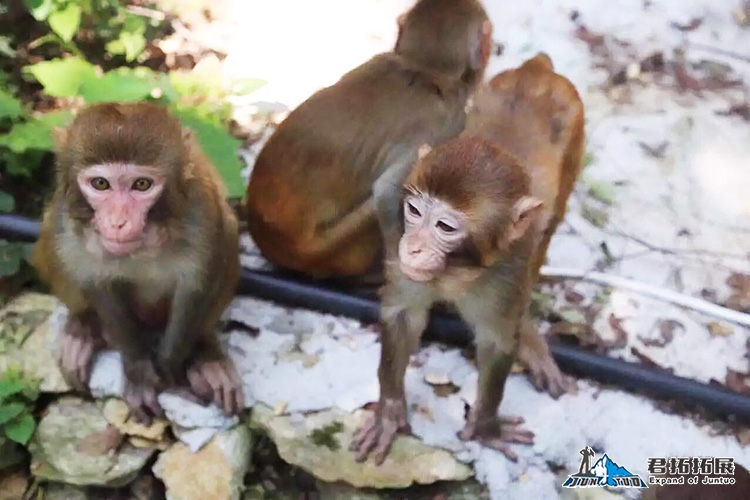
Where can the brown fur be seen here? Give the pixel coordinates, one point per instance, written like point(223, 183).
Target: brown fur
point(523, 144)
point(192, 244)
point(310, 204)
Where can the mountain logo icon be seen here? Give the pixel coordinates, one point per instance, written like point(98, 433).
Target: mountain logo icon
point(604, 472)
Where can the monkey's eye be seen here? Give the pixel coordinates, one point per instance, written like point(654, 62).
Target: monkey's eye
point(413, 210)
point(99, 183)
point(445, 227)
point(142, 184)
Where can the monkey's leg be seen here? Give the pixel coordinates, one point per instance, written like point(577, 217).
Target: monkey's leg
point(494, 359)
point(81, 337)
point(142, 381)
point(214, 378)
point(399, 338)
point(534, 353)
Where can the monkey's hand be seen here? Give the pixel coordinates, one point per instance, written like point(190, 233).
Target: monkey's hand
point(497, 433)
point(79, 340)
point(141, 390)
point(546, 376)
point(217, 380)
point(534, 353)
point(380, 430)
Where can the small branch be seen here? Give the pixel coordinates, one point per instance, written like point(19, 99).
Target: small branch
point(723, 52)
point(679, 299)
point(146, 12)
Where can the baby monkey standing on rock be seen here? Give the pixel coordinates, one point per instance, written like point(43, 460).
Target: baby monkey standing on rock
point(140, 244)
point(477, 217)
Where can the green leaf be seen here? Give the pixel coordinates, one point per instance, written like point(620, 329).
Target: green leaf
point(7, 203)
point(220, 147)
point(9, 387)
point(40, 9)
point(10, 107)
point(65, 22)
point(10, 258)
point(117, 86)
point(6, 48)
point(24, 164)
point(10, 411)
point(21, 428)
point(602, 191)
point(247, 86)
point(34, 134)
point(62, 77)
point(132, 40)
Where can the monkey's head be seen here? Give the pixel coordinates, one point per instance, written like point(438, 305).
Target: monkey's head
point(464, 196)
point(120, 167)
point(452, 37)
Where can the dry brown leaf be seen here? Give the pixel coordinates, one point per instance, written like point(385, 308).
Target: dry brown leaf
point(691, 26)
point(647, 361)
point(667, 328)
point(738, 382)
point(621, 336)
point(718, 329)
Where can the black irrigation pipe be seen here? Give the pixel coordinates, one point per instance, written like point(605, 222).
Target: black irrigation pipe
point(447, 328)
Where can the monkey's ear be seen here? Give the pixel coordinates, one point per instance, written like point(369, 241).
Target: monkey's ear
point(59, 136)
point(481, 46)
point(423, 150)
point(525, 212)
point(401, 19)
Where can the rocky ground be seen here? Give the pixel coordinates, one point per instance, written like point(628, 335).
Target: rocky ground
point(662, 201)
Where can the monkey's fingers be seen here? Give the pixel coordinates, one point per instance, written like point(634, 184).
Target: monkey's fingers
point(199, 385)
point(389, 429)
point(75, 360)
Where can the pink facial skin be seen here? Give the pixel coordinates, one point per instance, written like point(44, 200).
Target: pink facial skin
point(433, 229)
point(121, 196)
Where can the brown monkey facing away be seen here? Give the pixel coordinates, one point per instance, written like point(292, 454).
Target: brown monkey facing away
point(478, 213)
point(328, 172)
point(140, 244)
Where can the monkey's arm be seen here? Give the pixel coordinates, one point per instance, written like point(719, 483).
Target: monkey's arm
point(386, 193)
point(142, 383)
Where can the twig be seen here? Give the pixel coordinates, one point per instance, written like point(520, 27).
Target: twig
point(146, 12)
point(651, 291)
point(717, 50)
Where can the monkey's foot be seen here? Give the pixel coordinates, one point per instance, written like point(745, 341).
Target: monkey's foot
point(141, 391)
point(79, 340)
point(497, 433)
point(217, 381)
point(546, 376)
point(379, 432)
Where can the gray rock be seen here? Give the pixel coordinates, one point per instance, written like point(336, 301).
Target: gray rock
point(216, 472)
point(75, 444)
point(33, 352)
point(410, 461)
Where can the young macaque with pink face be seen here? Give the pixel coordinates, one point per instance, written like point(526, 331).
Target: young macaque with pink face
point(477, 217)
point(140, 244)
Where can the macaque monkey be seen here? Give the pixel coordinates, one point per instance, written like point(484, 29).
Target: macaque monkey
point(140, 244)
point(327, 174)
point(477, 215)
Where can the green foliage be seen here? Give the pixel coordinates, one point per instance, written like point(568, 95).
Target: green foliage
point(326, 435)
point(72, 74)
point(17, 398)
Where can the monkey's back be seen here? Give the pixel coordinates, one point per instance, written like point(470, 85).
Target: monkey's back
point(323, 159)
point(537, 115)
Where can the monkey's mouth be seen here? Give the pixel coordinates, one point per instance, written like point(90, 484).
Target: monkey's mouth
point(416, 274)
point(118, 248)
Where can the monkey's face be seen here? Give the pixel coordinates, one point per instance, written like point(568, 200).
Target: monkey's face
point(121, 195)
point(432, 230)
